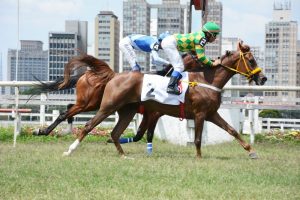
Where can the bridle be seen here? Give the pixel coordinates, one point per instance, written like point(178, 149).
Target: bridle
point(249, 74)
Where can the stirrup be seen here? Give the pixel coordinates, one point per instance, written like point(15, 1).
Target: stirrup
point(173, 90)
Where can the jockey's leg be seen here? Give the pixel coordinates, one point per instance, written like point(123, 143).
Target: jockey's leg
point(173, 83)
point(128, 52)
point(169, 45)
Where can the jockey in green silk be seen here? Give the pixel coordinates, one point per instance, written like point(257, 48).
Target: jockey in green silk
point(186, 43)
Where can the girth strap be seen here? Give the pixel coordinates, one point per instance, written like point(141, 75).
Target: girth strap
point(193, 84)
point(181, 111)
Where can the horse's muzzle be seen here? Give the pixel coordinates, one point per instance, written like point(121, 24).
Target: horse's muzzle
point(263, 80)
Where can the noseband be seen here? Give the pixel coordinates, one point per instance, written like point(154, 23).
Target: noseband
point(249, 72)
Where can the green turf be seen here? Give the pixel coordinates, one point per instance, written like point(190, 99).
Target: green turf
point(37, 170)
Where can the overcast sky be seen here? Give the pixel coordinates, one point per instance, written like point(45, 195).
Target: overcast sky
point(244, 19)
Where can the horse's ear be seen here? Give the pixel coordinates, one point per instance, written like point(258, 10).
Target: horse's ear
point(243, 48)
point(239, 46)
point(227, 53)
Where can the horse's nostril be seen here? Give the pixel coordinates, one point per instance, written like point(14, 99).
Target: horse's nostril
point(263, 80)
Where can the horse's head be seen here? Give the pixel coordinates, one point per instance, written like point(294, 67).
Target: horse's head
point(243, 62)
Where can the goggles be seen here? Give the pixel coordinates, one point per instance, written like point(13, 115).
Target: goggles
point(213, 34)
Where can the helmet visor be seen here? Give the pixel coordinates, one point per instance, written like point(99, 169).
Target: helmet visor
point(214, 35)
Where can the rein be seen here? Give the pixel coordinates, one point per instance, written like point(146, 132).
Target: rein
point(249, 72)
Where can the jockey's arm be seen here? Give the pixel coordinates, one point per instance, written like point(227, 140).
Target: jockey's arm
point(158, 60)
point(201, 55)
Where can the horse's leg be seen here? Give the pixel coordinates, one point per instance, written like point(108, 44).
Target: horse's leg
point(126, 114)
point(153, 119)
point(140, 132)
point(59, 119)
point(88, 127)
point(75, 109)
point(92, 123)
point(151, 127)
point(199, 121)
point(70, 120)
point(149, 122)
point(219, 121)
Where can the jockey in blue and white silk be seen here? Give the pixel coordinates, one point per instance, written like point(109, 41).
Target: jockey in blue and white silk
point(143, 43)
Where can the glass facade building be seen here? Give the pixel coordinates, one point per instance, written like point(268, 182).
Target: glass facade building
point(107, 36)
point(169, 16)
point(65, 45)
point(32, 62)
point(214, 13)
point(280, 53)
point(136, 19)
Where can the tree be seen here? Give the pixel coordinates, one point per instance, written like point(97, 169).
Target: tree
point(270, 114)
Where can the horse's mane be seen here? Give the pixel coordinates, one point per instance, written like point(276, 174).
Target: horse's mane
point(99, 67)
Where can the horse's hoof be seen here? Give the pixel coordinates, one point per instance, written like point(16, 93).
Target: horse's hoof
point(126, 157)
point(65, 154)
point(109, 140)
point(253, 155)
point(36, 132)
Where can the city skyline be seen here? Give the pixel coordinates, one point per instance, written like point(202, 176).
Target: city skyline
point(50, 16)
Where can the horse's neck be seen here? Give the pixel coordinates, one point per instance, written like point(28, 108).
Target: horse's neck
point(222, 76)
point(217, 77)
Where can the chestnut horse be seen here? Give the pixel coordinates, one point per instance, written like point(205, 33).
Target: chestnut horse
point(202, 100)
point(90, 87)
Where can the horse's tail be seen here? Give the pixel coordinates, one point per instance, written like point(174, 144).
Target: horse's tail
point(44, 87)
point(97, 66)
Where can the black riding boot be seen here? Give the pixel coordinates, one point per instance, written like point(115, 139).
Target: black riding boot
point(173, 85)
point(166, 71)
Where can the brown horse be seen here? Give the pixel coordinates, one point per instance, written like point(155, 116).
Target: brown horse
point(123, 94)
point(89, 89)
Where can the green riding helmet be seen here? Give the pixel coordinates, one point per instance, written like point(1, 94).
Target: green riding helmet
point(211, 27)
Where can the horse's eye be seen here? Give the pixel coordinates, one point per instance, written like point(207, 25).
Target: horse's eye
point(252, 61)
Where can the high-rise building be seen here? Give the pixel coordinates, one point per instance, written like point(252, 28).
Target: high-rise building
point(1, 64)
point(65, 45)
point(214, 13)
point(32, 61)
point(172, 17)
point(81, 28)
point(298, 73)
point(136, 19)
point(280, 52)
point(107, 36)
point(169, 16)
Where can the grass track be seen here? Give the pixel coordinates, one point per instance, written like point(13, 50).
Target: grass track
point(36, 170)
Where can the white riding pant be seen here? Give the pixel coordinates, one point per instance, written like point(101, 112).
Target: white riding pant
point(169, 45)
point(128, 51)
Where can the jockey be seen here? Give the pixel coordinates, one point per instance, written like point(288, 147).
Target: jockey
point(143, 43)
point(185, 43)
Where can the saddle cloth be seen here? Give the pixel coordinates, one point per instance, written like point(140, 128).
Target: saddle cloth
point(155, 88)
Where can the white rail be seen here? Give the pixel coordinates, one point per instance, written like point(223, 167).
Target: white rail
point(231, 87)
point(271, 123)
point(43, 101)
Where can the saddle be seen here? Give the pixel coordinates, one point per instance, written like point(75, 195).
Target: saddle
point(155, 88)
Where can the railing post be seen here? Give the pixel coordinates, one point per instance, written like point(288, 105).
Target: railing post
point(17, 117)
point(255, 116)
point(268, 125)
point(251, 119)
point(55, 114)
point(242, 120)
point(42, 109)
